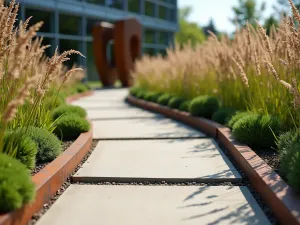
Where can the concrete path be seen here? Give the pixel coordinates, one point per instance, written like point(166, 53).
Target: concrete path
point(136, 146)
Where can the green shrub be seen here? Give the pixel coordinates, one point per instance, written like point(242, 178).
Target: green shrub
point(16, 186)
point(164, 99)
point(223, 115)
point(152, 96)
point(175, 102)
point(80, 88)
point(184, 106)
point(71, 126)
point(141, 94)
point(21, 146)
point(68, 109)
point(48, 145)
point(237, 116)
point(52, 103)
point(257, 131)
point(284, 145)
point(204, 106)
point(134, 90)
point(293, 174)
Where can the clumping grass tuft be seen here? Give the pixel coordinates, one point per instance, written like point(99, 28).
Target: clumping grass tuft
point(184, 106)
point(236, 117)
point(294, 171)
point(257, 131)
point(175, 102)
point(21, 146)
point(71, 126)
point(204, 106)
point(16, 186)
point(48, 145)
point(164, 99)
point(68, 109)
point(223, 115)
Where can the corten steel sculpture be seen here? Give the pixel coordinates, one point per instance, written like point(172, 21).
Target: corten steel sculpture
point(126, 35)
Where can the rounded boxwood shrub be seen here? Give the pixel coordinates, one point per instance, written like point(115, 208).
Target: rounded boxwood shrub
point(293, 174)
point(152, 96)
point(52, 103)
point(204, 106)
point(257, 131)
point(68, 109)
point(184, 106)
point(48, 145)
point(284, 144)
point(134, 90)
point(71, 126)
point(223, 115)
point(141, 94)
point(164, 99)
point(16, 186)
point(81, 88)
point(22, 146)
point(175, 102)
point(237, 116)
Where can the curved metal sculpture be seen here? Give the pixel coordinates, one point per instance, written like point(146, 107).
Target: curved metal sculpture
point(127, 35)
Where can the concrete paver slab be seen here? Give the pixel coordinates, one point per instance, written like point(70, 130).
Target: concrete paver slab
point(176, 160)
point(142, 128)
point(100, 104)
point(155, 205)
point(124, 113)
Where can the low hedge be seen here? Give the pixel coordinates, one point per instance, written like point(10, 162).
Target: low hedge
point(68, 109)
point(164, 99)
point(223, 115)
point(184, 106)
point(16, 186)
point(175, 102)
point(204, 106)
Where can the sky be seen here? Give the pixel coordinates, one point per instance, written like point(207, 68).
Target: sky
point(219, 10)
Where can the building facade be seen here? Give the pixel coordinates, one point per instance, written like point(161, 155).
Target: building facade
point(68, 24)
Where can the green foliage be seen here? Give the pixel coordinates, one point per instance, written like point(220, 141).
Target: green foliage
point(19, 145)
point(16, 186)
point(293, 175)
point(68, 109)
point(71, 126)
point(134, 90)
point(184, 106)
point(141, 94)
point(257, 131)
point(237, 116)
point(48, 145)
point(164, 99)
point(223, 115)
point(52, 103)
point(284, 145)
point(152, 96)
point(188, 32)
point(204, 106)
point(80, 87)
point(175, 102)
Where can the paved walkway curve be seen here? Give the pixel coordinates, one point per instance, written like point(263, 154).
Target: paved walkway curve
point(138, 146)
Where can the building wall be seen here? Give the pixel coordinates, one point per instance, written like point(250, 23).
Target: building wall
point(68, 24)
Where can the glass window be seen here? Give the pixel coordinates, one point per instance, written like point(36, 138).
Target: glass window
point(37, 16)
point(163, 38)
point(118, 4)
point(49, 51)
point(91, 67)
point(149, 51)
point(162, 52)
point(172, 16)
point(98, 2)
point(149, 36)
point(69, 24)
point(162, 12)
point(134, 6)
point(149, 9)
point(65, 45)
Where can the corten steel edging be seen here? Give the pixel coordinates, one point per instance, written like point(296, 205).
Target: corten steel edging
point(278, 195)
point(49, 179)
point(207, 126)
point(79, 95)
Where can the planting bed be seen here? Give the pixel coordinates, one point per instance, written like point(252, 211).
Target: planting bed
point(280, 197)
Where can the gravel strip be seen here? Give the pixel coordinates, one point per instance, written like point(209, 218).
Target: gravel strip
point(62, 189)
point(40, 166)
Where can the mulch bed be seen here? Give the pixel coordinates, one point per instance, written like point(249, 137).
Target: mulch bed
point(40, 166)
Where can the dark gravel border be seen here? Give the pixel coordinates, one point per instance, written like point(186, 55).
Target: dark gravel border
point(245, 182)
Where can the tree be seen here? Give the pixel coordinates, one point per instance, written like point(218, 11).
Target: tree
point(247, 11)
point(188, 31)
point(270, 22)
point(210, 27)
point(282, 8)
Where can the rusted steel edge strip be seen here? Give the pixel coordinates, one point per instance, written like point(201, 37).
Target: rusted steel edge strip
point(279, 196)
point(49, 179)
